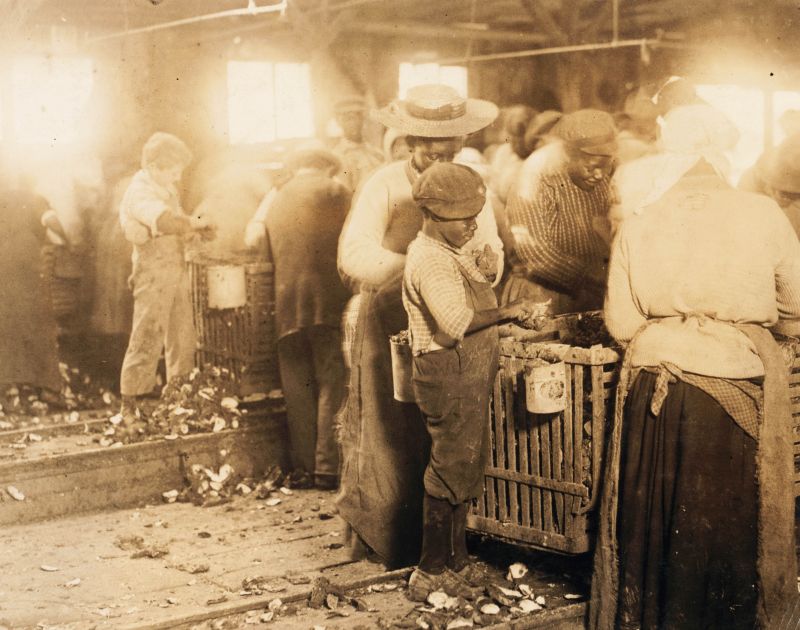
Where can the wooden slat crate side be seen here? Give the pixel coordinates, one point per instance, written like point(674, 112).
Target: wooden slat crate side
point(528, 535)
point(511, 421)
point(240, 340)
point(540, 469)
point(524, 466)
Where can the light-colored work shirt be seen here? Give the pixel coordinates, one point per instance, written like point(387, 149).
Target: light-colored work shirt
point(701, 258)
point(433, 291)
point(144, 202)
point(363, 255)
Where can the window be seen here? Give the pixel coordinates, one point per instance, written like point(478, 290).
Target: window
point(412, 74)
point(745, 108)
point(49, 96)
point(268, 101)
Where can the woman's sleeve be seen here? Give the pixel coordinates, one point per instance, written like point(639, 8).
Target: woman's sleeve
point(623, 317)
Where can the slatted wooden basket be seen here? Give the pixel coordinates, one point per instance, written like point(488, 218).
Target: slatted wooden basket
point(541, 481)
point(241, 340)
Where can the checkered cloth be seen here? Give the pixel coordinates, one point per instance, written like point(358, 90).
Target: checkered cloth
point(433, 291)
point(554, 229)
point(742, 399)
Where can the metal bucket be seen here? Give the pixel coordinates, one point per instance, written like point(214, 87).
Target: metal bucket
point(402, 368)
point(227, 286)
point(546, 388)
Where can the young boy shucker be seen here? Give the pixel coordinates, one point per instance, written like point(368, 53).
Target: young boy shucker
point(452, 313)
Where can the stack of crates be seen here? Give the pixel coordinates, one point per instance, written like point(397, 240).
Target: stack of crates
point(241, 340)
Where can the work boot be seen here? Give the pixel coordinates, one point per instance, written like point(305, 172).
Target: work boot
point(129, 410)
point(459, 562)
point(326, 481)
point(471, 574)
point(437, 531)
point(133, 425)
point(421, 584)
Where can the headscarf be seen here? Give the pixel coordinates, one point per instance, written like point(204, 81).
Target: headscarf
point(689, 134)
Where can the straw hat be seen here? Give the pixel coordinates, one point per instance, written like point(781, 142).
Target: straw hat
point(437, 111)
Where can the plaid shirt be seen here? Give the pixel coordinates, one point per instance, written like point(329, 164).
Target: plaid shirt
point(433, 291)
point(554, 228)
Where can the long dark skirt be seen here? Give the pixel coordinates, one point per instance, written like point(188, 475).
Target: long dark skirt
point(687, 514)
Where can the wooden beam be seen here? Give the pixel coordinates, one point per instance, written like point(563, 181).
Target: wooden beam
point(400, 29)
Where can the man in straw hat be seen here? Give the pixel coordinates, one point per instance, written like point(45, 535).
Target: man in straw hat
point(453, 316)
point(359, 158)
point(384, 443)
point(557, 214)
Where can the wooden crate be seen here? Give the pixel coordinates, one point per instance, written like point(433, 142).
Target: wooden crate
point(241, 340)
point(540, 483)
point(539, 480)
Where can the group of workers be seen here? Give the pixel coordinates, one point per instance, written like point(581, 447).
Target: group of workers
point(696, 525)
point(697, 521)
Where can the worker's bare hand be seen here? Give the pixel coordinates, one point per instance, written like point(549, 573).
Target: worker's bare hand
point(526, 308)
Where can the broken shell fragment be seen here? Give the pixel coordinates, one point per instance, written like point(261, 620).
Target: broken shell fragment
point(516, 571)
point(490, 609)
point(437, 599)
point(15, 494)
point(229, 403)
point(527, 606)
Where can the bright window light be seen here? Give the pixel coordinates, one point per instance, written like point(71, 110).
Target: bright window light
point(268, 101)
point(745, 108)
point(782, 101)
point(412, 74)
point(49, 96)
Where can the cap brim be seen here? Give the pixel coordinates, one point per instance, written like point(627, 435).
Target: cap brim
point(466, 209)
point(607, 149)
point(479, 114)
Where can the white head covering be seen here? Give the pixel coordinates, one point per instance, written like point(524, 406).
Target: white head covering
point(689, 133)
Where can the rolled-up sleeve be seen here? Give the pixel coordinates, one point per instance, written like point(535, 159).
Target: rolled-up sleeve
point(441, 286)
point(145, 205)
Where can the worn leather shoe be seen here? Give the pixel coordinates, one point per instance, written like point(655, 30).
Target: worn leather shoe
point(471, 574)
point(422, 584)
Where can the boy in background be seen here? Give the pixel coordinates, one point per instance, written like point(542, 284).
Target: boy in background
point(153, 220)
